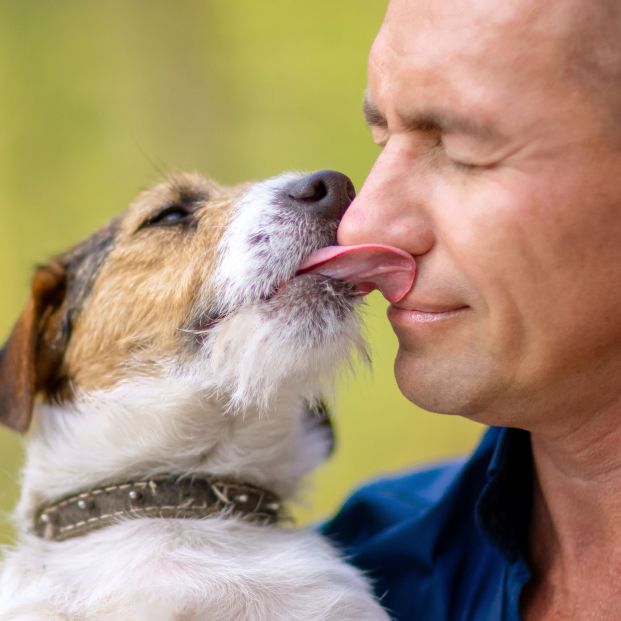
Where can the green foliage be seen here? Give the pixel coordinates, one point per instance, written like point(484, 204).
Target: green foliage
point(100, 99)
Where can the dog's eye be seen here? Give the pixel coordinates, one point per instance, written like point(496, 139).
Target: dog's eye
point(171, 216)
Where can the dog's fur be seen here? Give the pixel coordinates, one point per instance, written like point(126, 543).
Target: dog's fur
point(165, 343)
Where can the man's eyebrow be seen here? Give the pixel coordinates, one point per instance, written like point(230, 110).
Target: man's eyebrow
point(372, 115)
point(431, 121)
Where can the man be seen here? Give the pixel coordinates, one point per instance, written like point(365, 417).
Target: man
point(500, 171)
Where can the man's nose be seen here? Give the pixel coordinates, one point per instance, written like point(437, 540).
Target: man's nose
point(391, 208)
point(326, 193)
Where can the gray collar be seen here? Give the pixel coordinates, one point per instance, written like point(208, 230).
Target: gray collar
point(159, 497)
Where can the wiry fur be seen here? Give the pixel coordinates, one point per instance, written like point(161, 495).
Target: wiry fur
point(310, 324)
point(224, 398)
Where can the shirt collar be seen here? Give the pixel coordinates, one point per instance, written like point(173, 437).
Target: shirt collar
point(504, 506)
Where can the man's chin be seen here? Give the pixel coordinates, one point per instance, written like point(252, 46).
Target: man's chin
point(440, 385)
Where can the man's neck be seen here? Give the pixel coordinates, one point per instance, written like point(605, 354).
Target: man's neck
point(575, 540)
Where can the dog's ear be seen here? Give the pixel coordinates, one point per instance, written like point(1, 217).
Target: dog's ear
point(34, 348)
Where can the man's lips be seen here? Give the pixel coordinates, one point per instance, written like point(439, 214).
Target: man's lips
point(429, 308)
point(423, 313)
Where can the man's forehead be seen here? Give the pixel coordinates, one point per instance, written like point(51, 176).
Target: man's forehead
point(478, 26)
point(478, 42)
point(551, 15)
point(485, 47)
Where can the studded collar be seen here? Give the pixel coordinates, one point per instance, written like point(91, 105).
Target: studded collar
point(159, 497)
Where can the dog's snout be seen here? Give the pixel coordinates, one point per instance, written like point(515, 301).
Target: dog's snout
point(327, 193)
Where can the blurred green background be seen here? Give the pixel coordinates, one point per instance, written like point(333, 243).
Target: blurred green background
point(100, 99)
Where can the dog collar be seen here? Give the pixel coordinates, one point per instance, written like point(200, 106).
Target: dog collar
point(165, 497)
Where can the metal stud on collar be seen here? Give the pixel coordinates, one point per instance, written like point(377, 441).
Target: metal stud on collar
point(84, 504)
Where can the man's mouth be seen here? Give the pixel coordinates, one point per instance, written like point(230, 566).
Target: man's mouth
point(398, 314)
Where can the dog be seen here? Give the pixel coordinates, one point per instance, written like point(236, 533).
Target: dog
point(165, 368)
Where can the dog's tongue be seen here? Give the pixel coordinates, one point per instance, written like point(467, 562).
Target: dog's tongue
point(368, 267)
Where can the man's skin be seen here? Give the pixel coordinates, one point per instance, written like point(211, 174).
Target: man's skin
point(500, 171)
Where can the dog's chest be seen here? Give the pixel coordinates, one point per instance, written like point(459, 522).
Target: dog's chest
point(187, 570)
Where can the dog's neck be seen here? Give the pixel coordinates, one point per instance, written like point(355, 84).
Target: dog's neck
point(149, 427)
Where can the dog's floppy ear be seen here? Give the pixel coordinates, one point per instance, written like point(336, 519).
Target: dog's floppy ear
point(33, 349)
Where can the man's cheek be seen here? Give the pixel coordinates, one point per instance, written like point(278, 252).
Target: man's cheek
point(482, 223)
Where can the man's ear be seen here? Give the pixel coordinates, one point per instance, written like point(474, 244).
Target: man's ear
point(34, 348)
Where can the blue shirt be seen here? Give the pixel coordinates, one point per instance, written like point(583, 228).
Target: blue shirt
point(447, 543)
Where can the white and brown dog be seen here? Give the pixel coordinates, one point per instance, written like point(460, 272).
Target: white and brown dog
point(171, 360)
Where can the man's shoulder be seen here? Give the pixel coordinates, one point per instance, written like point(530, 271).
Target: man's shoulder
point(406, 499)
point(418, 537)
point(382, 503)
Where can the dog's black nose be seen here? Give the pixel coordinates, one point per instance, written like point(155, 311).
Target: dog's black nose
point(327, 193)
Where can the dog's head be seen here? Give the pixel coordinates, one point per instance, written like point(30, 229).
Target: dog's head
point(193, 278)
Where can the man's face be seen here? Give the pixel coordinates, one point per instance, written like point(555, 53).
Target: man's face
point(502, 176)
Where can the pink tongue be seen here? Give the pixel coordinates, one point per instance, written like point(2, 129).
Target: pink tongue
point(368, 266)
